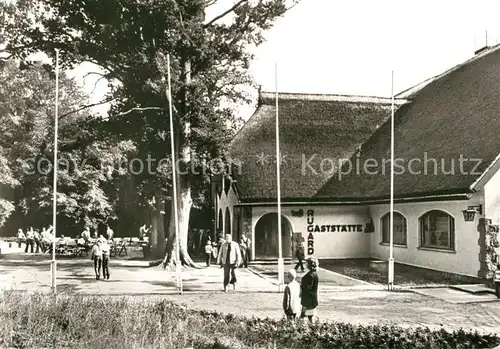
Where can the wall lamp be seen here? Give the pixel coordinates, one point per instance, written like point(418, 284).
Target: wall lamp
point(470, 212)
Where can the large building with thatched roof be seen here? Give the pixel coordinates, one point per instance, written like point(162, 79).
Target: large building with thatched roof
point(335, 166)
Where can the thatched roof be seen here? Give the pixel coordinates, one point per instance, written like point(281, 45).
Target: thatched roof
point(451, 117)
point(330, 126)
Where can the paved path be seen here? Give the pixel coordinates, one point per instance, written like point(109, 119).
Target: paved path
point(255, 296)
point(361, 307)
point(127, 277)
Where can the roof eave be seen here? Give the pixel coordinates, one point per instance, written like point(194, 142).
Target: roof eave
point(481, 181)
point(330, 98)
point(460, 194)
point(412, 91)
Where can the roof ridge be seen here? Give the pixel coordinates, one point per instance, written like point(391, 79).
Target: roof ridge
point(331, 97)
point(415, 88)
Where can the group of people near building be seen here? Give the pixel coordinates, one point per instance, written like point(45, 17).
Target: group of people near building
point(197, 239)
point(299, 300)
point(88, 237)
point(36, 241)
point(231, 255)
point(213, 249)
point(100, 250)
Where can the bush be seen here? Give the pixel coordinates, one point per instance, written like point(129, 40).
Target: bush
point(31, 321)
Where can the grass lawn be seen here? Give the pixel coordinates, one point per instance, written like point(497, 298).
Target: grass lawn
point(404, 275)
point(77, 321)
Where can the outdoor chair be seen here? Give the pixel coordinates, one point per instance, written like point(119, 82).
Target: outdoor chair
point(61, 249)
point(119, 248)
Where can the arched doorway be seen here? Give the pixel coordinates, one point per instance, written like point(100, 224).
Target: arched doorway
point(227, 222)
point(266, 236)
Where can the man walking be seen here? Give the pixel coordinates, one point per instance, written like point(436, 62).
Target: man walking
point(97, 258)
point(300, 254)
point(230, 258)
point(105, 248)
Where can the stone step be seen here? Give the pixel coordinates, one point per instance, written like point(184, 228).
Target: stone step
point(473, 289)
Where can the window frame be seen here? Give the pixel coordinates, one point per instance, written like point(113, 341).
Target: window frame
point(382, 227)
point(424, 222)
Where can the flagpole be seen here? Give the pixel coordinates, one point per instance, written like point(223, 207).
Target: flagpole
point(53, 264)
point(391, 229)
point(178, 269)
point(281, 267)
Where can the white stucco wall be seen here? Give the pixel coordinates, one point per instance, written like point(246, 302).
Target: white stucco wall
point(354, 244)
point(333, 244)
point(492, 198)
point(465, 259)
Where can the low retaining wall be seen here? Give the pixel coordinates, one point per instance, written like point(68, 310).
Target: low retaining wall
point(342, 280)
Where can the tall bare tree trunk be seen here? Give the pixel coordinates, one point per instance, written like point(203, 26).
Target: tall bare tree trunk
point(157, 227)
point(184, 209)
point(185, 202)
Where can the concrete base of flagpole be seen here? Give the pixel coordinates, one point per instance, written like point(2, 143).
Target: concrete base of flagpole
point(53, 273)
point(281, 274)
point(390, 283)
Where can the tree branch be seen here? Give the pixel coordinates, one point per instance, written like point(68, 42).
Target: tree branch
point(210, 3)
point(93, 73)
point(95, 85)
point(225, 13)
point(138, 109)
point(86, 107)
point(183, 29)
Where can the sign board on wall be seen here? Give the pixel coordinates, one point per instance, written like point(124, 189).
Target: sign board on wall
point(326, 228)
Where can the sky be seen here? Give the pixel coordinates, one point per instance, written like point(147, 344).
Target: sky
point(351, 46)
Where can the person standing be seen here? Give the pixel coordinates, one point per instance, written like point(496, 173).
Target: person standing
point(143, 231)
point(243, 251)
point(248, 244)
point(109, 233)
point(48, 239)
point(215, 250)
point(300, 254)
point(193, 239)
point(291, 297)
point(229, 258)
point(43, 239)
point(37, 238)
point(309, 290)
point(30, 243)
point(105, 248)
point(208, 252)
point(97, 258)
point(20, 237)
